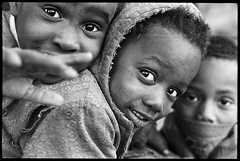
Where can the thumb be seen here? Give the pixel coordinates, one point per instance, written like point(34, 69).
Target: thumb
point(22, 88)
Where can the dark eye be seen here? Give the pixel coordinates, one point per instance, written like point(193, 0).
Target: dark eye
point(52, 12)
point(173, 93)
point(148, 76)
point(91, 27)
point(225, 102)
point(191, 98)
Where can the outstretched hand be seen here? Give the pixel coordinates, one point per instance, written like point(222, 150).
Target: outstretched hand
point(31, 61)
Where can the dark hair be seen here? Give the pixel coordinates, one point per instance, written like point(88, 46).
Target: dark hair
point(192, 28)
point(222, 47)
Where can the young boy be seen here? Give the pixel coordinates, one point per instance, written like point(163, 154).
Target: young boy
point(102, 116)
point(204, 123)
point(64, 32)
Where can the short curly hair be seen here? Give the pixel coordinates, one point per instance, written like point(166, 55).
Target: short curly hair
point(222, 47)
point(180, 20)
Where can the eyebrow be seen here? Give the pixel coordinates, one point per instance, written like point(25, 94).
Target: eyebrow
point(160, 62)
point(224, 92)
point(98, 11)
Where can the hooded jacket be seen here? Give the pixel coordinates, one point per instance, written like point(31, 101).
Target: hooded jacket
point(88, 125)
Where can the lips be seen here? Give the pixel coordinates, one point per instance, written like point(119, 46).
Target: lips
point(139, 118)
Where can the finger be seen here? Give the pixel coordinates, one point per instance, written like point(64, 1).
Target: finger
point(78, 61)
point(21, 88)
point(11, 58)
point(34, 61)
point(77, 58)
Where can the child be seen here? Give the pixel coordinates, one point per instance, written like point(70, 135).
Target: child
point(58, 29)
point(100, 120)
point(68, 49)
point(205, 116)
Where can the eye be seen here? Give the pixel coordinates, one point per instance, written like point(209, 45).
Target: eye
point(225, 102)
point(148, 76)
point(173, 93)
point(191, 98)
point(91, 27)
point(53, 12)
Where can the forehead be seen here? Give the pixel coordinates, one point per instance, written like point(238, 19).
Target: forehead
point(218, 73)
point(182, 57)
point(109, 8)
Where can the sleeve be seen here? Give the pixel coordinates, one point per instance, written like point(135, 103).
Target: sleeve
point(227, 148)
point(174, 138)
point(73, 131)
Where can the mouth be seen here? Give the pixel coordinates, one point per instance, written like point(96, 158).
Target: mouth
point(139, 119)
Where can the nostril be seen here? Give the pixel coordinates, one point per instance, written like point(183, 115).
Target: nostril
point(67, 45)
point(205, 119)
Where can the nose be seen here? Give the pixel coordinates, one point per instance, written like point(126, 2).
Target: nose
point(156, 101)
point(206, 112)
point(68, 39)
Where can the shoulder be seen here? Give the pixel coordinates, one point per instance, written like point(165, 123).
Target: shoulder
point(84, 102)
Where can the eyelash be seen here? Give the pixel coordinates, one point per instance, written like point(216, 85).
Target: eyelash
point(226, 100)
point(54, 10)
point(178, 93)
point(96, 26)
point(146, 80)
point(189, 96)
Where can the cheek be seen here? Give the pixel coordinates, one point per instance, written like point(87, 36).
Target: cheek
point(124, 87)
point(227, 117)
point(34, 32)
point(92, 45)
point(185, 111)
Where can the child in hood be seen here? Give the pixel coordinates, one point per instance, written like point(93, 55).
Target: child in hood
point(204, 123)
point(132, 88)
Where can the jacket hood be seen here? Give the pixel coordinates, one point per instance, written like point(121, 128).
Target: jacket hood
point(131, 14)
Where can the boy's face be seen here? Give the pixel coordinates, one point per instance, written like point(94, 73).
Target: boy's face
point(151, 73)
point(212, 95)
point(64, 28)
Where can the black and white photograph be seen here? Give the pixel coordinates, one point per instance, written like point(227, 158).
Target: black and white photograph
point(119, 80)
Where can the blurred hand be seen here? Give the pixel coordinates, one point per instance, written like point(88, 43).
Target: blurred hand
point(30, 61)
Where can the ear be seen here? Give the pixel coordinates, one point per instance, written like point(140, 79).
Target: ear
point(15, 7)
